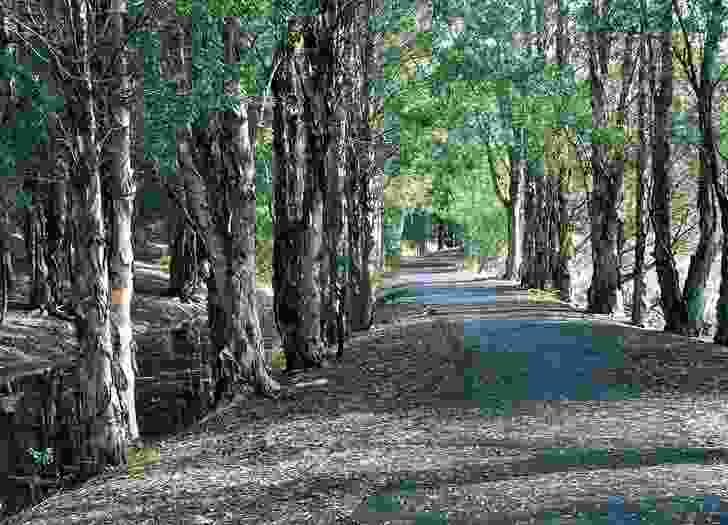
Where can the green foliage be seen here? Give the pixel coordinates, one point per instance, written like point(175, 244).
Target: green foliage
point(408, 24)
point(30, 128)
point(164, 111)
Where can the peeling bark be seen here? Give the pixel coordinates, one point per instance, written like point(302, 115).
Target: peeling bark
point(298, 166)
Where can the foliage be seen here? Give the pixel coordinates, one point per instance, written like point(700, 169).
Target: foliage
point(164, 111)
point(30, 127)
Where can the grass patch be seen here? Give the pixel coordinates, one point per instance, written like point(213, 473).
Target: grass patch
point(550, 295)
point(471, 264)
point(164, 263)
point(398, 296)
point(278, 362)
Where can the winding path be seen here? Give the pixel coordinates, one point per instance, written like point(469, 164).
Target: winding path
point(601, 418)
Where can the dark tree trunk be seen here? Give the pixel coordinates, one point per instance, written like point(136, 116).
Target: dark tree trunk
point(230, 185)
point(672, 306)
point(365, 191)
point(334, 267)
point(639, 289)
point(298, 166)
point(604, 296)
point(186, 264)
point(56, 255)
point(35, 242)
point(565, 229)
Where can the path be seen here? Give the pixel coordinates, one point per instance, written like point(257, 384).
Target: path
point(394, 434)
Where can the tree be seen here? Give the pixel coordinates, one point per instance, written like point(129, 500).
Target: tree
point(298, 167)
point(692, 308)
point(101, 408)
point(123, 189)
point(231, 195)
point(186, 245)
point(638, 292)
point(607, 173)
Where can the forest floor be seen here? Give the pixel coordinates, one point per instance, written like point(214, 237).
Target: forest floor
point(390, 436)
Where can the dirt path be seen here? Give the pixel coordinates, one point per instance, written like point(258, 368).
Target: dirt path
point(389, 435)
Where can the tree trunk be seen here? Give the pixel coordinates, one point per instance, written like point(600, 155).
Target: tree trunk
point(366, 190)
point(639, 287)
point(667, 274)
point(186, 246)
point(298, 165)
point(373, 57)
point(35, 242)
point(721, 307)
point(57, 218)
point(101, 410)
point(230, 184)
point(702, 259)
point(334, 267)
point(565, 230)
point(516, 225)
point(604, 296)
point(123, 189)
point(527, 270)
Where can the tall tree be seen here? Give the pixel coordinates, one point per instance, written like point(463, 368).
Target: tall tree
point(231, 195)
point(667, 273)
point(604, 294)
point(562, 279)
point(298, 167)
point(339, 37)
point(102, 411)
point(639, 288)
point(186, 245)
point(365, 189)
point(123, 190)
point(693, 297)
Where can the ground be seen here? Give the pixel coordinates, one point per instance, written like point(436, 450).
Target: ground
point(386, 434)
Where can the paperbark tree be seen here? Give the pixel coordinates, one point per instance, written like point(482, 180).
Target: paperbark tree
point(102, 412)
point(123, 189)
point(186, 246)
point(298, 169)
point(230, 184)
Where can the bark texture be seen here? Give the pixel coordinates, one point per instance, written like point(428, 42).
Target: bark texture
point(639, 288)
point(364, 191)
point(298, 168)
point(123, 190)
point(103, 414)
point(334, 267)
point(604, 295)
point(230, 184)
